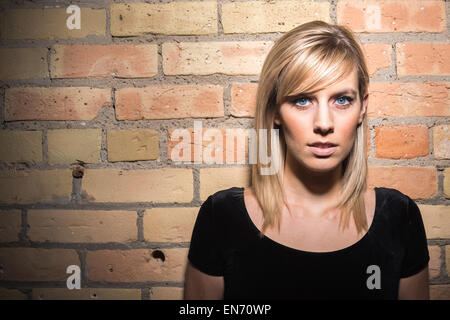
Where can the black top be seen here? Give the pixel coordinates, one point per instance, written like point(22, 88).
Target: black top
point(225, 242)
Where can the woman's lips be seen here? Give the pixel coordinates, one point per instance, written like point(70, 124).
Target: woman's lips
point(326, 151)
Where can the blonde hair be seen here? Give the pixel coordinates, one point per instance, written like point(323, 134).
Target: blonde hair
point(305, 59)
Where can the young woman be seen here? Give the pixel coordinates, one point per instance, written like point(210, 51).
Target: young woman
point(312, 230)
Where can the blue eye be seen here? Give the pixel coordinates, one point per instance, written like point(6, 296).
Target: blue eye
point(346, 98)
point(301, 99)
point(341, 101)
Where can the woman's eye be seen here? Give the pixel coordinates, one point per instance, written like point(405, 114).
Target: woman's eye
point(341, 100)
point(301, 101)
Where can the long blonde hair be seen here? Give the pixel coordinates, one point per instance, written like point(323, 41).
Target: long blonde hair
point(308, 58)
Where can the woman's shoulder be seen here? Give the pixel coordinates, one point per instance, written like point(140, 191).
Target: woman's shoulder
point(224, 196)
point(224, 208)
point(395, 204)
point(393, 197)
point(225, 200)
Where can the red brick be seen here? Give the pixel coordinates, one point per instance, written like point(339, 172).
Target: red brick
point(423, 58)
point(416, 182)
point(62, 103)
point(243, 99)
point(392, 16)
point(401, 142)
point(378, 57)
point(169, 102)
point(100, 61)
point(409, 99)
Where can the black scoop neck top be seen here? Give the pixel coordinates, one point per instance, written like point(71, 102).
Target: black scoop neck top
point(225, 242)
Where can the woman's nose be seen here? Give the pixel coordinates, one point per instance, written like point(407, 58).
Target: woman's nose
point(323, 119)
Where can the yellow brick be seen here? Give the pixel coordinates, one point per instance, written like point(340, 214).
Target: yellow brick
point(447, 182)
point(85, 294)
point(225, 57)
point(273, 16)
point(70, 145)
point(12, 294)
point(166, 293)
point(215, 179)
point(447, 259)
point(436, 220)
point(434, 265)
point(158, 185)
point(441, 142)
point(183, 18)
point(131, 145)
point(36, 264)
point(82, 225)
point(169, 224)
point(23, 63)
point(137, 265)
point(50, 23)
point(29, 186)
point(10, 225)
point(21, 146)
point(440, 292)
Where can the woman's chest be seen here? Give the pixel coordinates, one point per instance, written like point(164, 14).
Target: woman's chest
point(265, 269)
point(315, 236)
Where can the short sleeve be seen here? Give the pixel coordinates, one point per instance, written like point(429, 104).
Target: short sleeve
point(415, 241)
point(205, 251)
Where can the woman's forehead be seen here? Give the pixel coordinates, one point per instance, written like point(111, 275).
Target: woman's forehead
point(347, 82)
point(342, 81)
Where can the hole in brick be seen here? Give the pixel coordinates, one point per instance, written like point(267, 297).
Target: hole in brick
point(77, 172)
point(94, 296)
point(158, 254)
point(110, 268)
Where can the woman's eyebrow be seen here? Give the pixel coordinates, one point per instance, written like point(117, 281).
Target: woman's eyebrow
point(341, 92)
point(346, 91)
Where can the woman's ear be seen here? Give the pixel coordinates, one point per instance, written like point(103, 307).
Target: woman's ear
point(365, 104)
point(276, 118)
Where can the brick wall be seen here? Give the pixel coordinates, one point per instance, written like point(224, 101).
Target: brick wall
point(87, 116)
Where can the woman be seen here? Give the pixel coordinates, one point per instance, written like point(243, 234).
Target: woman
point(312, 230)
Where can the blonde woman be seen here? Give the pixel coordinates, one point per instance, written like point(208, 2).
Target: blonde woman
point(313, 229)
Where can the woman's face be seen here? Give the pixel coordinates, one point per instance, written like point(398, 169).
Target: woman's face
point(328, 115)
